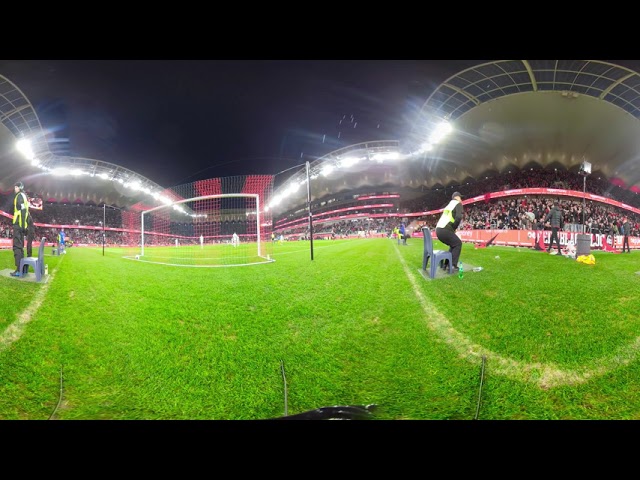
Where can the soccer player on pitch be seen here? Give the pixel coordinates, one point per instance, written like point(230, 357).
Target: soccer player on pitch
point(201, 241)
point(235, 240)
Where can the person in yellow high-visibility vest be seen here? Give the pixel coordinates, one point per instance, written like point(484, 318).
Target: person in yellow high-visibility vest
point(446, 228)
point(20, 219)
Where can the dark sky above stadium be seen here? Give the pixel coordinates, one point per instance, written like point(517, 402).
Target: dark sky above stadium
point(176, 121)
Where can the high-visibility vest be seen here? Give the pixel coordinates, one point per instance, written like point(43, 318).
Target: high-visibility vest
point(447, 215)
point(17, 213)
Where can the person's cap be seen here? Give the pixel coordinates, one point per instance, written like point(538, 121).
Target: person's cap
point(19, 185)
point(456, 194)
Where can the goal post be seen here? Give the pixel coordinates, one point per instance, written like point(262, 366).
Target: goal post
point(213, 228)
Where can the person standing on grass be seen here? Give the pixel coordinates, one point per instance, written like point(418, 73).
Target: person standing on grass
point(61, 242)
point(20, 219)
point(403, 234)
point(235, 240)
point(201, 242)
point(446, 228)
point(626, 230)
point(554, 218)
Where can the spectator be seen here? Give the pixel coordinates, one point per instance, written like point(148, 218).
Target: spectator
point(554, 218)
point(625, 233)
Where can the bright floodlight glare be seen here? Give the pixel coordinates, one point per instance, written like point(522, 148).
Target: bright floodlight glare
point(426, 147)
point(293, 188)
point(60, 171)
point(349, 161)
point(382, 156)
point(327, 169)
point(443, 129)
point(24, 147)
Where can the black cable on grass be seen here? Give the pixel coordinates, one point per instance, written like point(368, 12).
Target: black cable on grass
point(284, 379)
point(59, 398)
point(484, 359)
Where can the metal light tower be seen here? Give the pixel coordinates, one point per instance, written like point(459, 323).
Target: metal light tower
point(104, 220)
point(583, 244)
point(585, 169)
point(309, 208)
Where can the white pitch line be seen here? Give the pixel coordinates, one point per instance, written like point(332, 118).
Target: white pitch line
point(544, 375)
point(14, 331)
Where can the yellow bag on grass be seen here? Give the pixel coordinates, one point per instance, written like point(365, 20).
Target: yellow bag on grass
point(587, 259)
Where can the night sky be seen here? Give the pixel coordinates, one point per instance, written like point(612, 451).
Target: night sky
point(177, 121)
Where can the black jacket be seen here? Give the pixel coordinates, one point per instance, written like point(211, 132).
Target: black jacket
point(555, 217)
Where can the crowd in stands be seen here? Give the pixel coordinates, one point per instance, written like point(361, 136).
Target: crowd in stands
point(533, 178)
point(528, 213)
point(523, 212)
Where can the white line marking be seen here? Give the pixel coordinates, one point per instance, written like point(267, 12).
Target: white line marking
point(14, 331)
point(544, 375)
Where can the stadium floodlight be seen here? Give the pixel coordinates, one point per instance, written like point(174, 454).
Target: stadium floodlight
point(349, 161)
point(24, 147)
point(327, 169)
point(60, 171)
point(585, 168)
point(426, 147)
point(443, 129)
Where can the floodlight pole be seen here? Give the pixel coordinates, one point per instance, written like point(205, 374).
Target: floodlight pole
point(104, 220)
point(309, 208)
point(584, 202)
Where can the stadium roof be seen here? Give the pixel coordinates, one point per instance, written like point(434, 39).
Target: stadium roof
point(518, 113)
point(506, 114)
point(55, 177)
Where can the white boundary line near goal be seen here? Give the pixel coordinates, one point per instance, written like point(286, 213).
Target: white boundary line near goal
point(271, 260)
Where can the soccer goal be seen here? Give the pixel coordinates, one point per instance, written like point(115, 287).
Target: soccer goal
point(206, 231)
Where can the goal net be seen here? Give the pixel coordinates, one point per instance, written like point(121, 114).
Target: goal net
point(211, 229)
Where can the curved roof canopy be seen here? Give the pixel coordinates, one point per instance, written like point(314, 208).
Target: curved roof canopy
point(516, 113)
point(57, 177)
point(506, 114)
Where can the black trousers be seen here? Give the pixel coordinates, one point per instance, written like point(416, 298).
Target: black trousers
point(554, 235)
point(625, 241)
point(30, 236)
point(18, 245)
point(449, 238)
